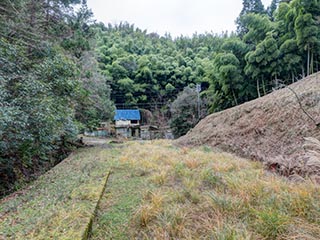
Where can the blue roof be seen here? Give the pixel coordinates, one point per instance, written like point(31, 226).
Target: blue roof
point(127, 114)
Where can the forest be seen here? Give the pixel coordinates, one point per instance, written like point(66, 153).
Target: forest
point(272, 47)
point(62, 72)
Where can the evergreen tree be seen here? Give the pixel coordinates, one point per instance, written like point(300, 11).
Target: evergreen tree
point(272, 8)
point(258, 26)
point(184, 111)
point(248, 6)
point(49, 84)
point(227, 67)
point(307, 29)
point(252, 6)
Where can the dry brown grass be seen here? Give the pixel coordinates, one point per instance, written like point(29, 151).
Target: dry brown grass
point(199, 194)
point(158, 191)
point(304, 166)
point(271, 129)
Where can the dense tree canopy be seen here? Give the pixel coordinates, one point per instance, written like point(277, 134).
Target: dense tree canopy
point(276, 43)
point(280, 42)
point(50, 84)
point(145, 69)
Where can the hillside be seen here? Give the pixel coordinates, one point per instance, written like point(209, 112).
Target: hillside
point(271, 129)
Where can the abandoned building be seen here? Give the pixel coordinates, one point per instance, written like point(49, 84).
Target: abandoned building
point(127, 123)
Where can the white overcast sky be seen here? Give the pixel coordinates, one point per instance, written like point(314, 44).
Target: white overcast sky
point(173, 16)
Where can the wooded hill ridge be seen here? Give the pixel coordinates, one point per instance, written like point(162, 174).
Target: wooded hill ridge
point(61, 72)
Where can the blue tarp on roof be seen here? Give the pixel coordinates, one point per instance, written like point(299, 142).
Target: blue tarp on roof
point(127, 114)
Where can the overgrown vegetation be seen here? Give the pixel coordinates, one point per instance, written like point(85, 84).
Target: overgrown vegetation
point(158, 191)
point(173, 193)
point(186, 111)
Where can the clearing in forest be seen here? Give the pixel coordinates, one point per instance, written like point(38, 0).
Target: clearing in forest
point(158, 191)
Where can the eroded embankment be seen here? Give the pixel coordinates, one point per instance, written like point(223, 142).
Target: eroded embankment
point(271, 129)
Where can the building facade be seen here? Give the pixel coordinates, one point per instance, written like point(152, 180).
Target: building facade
point(127, 123)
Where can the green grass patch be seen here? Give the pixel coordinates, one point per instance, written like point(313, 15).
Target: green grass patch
point(125, 192)
point(60, 203)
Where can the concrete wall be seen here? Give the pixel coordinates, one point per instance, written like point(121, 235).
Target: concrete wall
point(123, 132)
point(126, 123)
point(122, 123)
point(98, 133)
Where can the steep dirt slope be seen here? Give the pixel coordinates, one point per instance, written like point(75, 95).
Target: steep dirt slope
point(270, 129)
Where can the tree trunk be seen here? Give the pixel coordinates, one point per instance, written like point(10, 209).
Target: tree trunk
point(264, 87)
point(258, 88)
point(308, 61)
point(234, 97)
point(311, 63)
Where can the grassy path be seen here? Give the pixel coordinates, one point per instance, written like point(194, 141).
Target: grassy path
point(123, 197)
point(60, 203)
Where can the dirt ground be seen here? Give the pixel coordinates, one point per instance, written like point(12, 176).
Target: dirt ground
point(271, 129)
